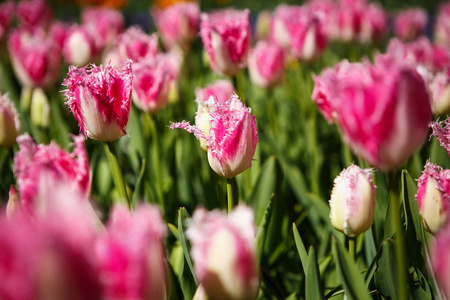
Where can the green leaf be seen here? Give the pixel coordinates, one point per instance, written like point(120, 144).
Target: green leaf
point(173, 230)
point(262, 231)
point(292, 296)
point(348, 273)
point(386, 279)
point(182, 216)
point(264, 188)
point(300, 247)
point(139, 185)
point(313, 285)
point(179, 266)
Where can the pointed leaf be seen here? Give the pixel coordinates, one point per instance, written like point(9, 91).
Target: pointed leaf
point(300, 247)
point(348, 272)
point(182, 216)
point(313, 285)
point(262, 231)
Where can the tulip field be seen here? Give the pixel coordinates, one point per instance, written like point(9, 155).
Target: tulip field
point(198, 150)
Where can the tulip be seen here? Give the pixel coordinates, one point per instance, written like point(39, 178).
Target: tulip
point(33, 161)
point(9, 122)
point(266, 64)
point(374, 24)
point(151, 85)
point(442, 133)
point(226, 38)
point(383, 110)
point(40, 108)
point(131, 254)
point(345, 23)
point(433, 196)
point(59, 31)
point(410, 23)
point(298, 30)
point(79, 46)
point(34, 13)
point(100, 99)
point(440, 93)
point(136, 45)
point(35, 58)
point(6, 17)
point(105, 22)
point(442, 25)
point(178, 24)
point(262, 26)
point(232, 137)
point(352, 201)
point(221, 89)
point(223, 251)
point(439, 259)
point(50, 257)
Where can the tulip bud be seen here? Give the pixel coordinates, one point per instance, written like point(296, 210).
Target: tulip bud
point(105, 23)
point(221, 89)
point(100, 99)
point(35, 58)
point(34, 13)
point(299, 30)
point(6, 17)
point(439, 259)
point(410, 23)
point(136, 45)
point(34, 162)
point(433, 196)
point(442, 26)
point(177, 24)
point(352, 201)
point(440, 93)
point(374, 25)
point(131, 254)
point(9, 122)
point(266, 64)
point(79, 46)
point(151, 85)
point(40, 108)
point(232, 136)
point(223, 251)
point(226, 38)
point(13, 206)
point(262, 26)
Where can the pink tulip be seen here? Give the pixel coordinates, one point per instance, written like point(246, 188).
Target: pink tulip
point(440, 93)
point(223, 251)
point(131, 254)
point(221, 89)
point(440, 260)
point(232, 137)
point(100, 99)
point(226, 38)
point(136, 45)
point(345, 23)
point(352, 201)
point(441, 130)
point(58, 31)
point(6, 17)
point(35, 58)
point(383, 110)
point(178, 23)
point(151, 85)
point(80, 47)
point(374, 23)
point(9, 122)
point(410, 23)
point(105, 22)
point(34, 162)
point(266, 64)
point(433, 196)
point(298, 30)
point(442, 25)
point(34, 13)
point(50, 256)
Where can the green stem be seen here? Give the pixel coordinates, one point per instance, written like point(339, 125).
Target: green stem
point(110, 149)
point(156, 161)
point(400, 251)
point(352, 247)
point(232, 193)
